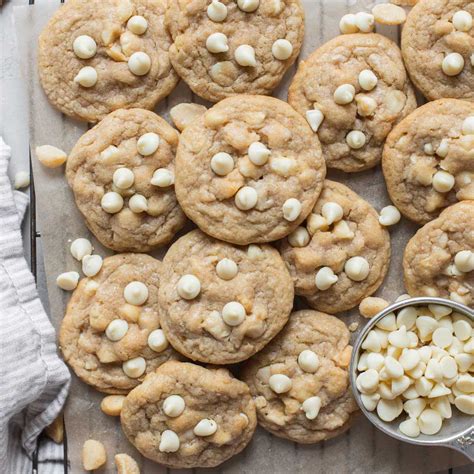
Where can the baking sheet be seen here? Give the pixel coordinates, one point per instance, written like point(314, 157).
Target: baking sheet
point(363, 448)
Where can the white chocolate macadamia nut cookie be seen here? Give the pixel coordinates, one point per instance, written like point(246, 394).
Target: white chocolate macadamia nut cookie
point(221, 303)
point(109, 323)
point(122, 174)
point(97, 56)
point(249, 170)
point(352, 123)
point(345, 254)
point(300, 381)
point(438, 47)
point(439, 258)
point(222, 48)
point(186, 416)
point(428, 159)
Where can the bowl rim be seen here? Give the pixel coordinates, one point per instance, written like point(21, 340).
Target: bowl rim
point(374, 420)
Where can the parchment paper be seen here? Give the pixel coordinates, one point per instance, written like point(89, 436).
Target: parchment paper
point(362, 449)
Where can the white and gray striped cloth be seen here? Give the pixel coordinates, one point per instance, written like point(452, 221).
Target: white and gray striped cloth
point(34, 382)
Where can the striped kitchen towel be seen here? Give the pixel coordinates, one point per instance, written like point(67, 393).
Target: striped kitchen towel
point(34, 382)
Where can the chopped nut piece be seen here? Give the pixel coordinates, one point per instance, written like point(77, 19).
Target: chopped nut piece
point(93, 455)
point(112, 404)
point(55, 430)
point(126, 464)
point(50, 156)
point(371, 306)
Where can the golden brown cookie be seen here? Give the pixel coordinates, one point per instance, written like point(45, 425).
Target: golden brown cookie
point(428, 159)
point(249, 170)
point(111, 334)
point(186, 416)
point(353, 90)
point(122, 175)
point(97, 56)
point(222, 303)
point(439, 259)
point(300, 381)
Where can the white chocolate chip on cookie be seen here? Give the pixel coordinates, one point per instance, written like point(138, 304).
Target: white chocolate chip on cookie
point(308, 361)
point(137, 24)
point(205, 427)
point(311, 407)
point(344, 94)
point(315, 118)
point(111, 202)
point(157, 341)
point(189, 287)
point(169, 442)
point(355, 139)
point(357, 268)
point(258, 153)
point(86, 77)
point(217, 11)
point(325, 278)
point(139, 63)
point(389, 215)
point(222, 163)
point(246, 198)
point(299, 237)
point(226, 269)
point(280, 383)
point(123, 178)
point(134, 368)
point(173, 406)
point(84, 47)
point(162, 178)
point(462, 20)
point(245, 55)
point(443, 182)
point(464, 261)
point(468, 126)
point(138, 203)
point(248, 6)
point(217, 43)
point(452, 64)
point(135, 293)
point(282, 49)
point(91, 265)
point(116, 329)
point(367, 80)
point(148, 143)
point(332, 212)
point(291, 209)
point(233, 313)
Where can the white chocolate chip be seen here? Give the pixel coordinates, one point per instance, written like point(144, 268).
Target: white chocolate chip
point(80, 248)
point(22, 179)
point(246, 198)
point(258, 153)
point(138, 203)
point(347, 24)
point(325, 278)
point(462, 330)
point(316, 222)
point(245, 55)
point(134, 368)
point(393, 368)
point(280, 383)
point(169, 442)
point(217, 43)
point(468, 126)
point(157, 341)
point(399, 385)
point(410, 427)
point(299, 237)
point(465, 404)
point(68, 280)
point(442, 337)
point(217, 11)
point(86, 77)
point(50, 156)
point(189, 287)
point(439, 310)
point(222, 163)
point(139, 63)
point(465, 383)
point(91, 265)
point(464, 261)
point(370, 400)
point(388, 410)
point(344, 94)
point(462, 20)
point(162, 178)
point(452, 64)
point(233, 313)
point(148, 143)
point(399, 338)
point(372, 342)
point(430, 422)
point(311, 407)
point(291, 209)
point(357, 268)
point(84, 47)
point(111, 202)
point(123, 178)
point(137, 24)
point(135, 293)
point(342, 230)
point(308, 361)
point(332, 212)
point(355, 139)
point(116, 329)
point(407, 317)
point(428, 149)
point(248, 6)
point(368, 381)
point(315, 118)
point(364, 22)
point(173, 406)
point(443, 148)
point(387, 323)
point(448, 366)
point(205, 427)
point(282, 49)
point(226, 269)
point(366, 106)
point(367, 80)
point(389, 215)
point(443, 182)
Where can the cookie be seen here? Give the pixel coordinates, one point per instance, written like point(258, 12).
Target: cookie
point(221, 303)
point(249, 170)
point(122, 174)
point(97, 56)
point(438, 46)
point(340, 254)
point(439, 259)
point(186, 416)
point(110, 335)
point(300, 381)
point(353, 90)
point(226, 47)
point(428, 159)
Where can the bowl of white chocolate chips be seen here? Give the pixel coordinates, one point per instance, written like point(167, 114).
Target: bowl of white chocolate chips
point(412, 372)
